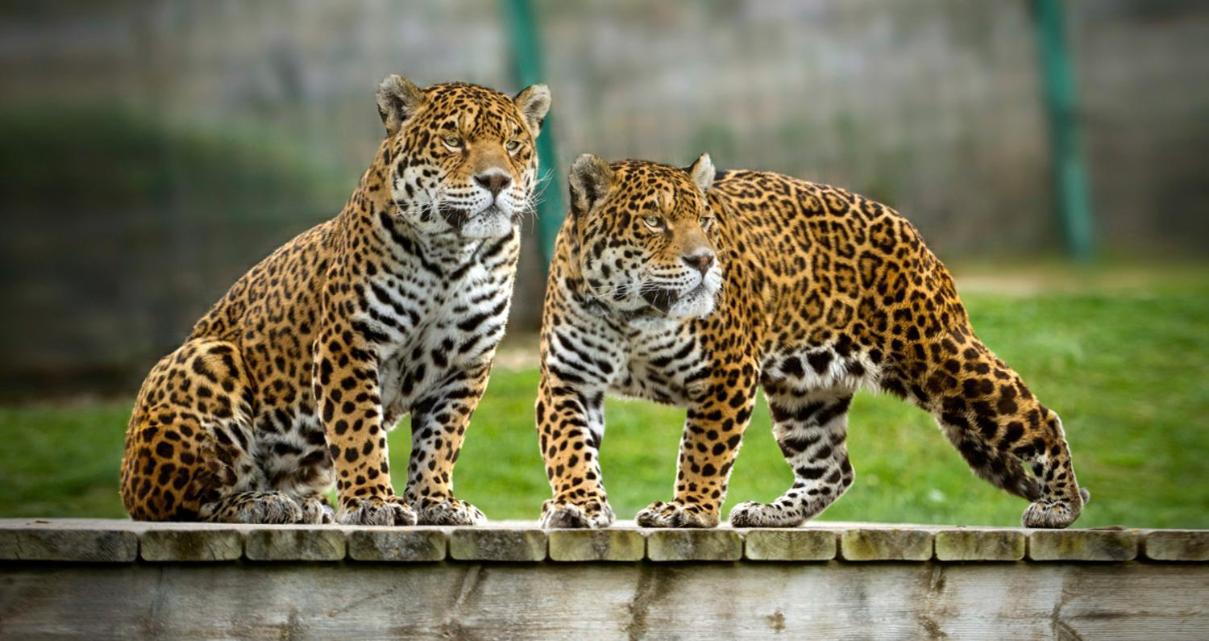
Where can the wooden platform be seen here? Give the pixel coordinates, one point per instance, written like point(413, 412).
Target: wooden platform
point(93, 579)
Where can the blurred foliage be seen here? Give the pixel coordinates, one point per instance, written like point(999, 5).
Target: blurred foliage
point(1125, 367)
point(106, 157)
point(135, 224)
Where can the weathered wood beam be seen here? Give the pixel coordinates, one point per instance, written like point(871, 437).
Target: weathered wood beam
point(126, 580)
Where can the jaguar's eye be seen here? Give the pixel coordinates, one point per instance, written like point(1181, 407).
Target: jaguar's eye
point(513, 146)
point(453, 142)
point(654, 222)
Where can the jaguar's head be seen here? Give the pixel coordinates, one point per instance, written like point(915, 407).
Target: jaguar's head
point(643, 231)
point(461, 158)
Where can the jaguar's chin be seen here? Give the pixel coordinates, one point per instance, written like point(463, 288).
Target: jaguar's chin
point(697, 303)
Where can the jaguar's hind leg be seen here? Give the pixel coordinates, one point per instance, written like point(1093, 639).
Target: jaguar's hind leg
point(811, 430)
point(1000, 428)
point(188, 447)
point(253, 507)
point(1061, 499)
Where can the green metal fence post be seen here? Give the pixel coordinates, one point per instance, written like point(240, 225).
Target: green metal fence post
point(1070, 175)
point(527, 67)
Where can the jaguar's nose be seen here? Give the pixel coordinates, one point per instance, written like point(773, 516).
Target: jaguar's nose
point(700, 261)
point(493, 181)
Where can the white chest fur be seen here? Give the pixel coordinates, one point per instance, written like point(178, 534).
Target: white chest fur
point(664, 362)
point(453, 323)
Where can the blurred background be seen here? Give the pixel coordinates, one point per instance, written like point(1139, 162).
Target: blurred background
point(1053, 153)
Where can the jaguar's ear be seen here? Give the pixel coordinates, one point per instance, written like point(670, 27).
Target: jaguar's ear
point(589, 182)
point(702, 172)
point(398, 100)
point(533, 103)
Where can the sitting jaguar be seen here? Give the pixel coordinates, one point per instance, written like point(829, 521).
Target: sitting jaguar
point(292, 380)
point(694, 289)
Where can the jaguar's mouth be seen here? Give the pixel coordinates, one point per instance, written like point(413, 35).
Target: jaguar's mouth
point(662, 298)
point(457, 217)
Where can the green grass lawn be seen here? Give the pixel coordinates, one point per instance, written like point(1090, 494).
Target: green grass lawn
point(1127, 368)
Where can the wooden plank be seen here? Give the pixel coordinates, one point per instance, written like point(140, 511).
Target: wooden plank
point(694, 545)
point(191, 545)
point(398, 544)
point(980, 544)
point(497, 544)
point(886, 544)
point(76, 544)
point(1083, 545)
point(1177, 545)
point(614, 544)
point(295, 543)
point(790, 544)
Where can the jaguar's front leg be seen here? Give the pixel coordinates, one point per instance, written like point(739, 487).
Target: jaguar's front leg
point(347, 393)
point(438, 426)
point(713, 432)
point(570, 424)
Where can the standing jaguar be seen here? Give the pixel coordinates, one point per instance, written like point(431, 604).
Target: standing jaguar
point(695, 289)
point(395, 306)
